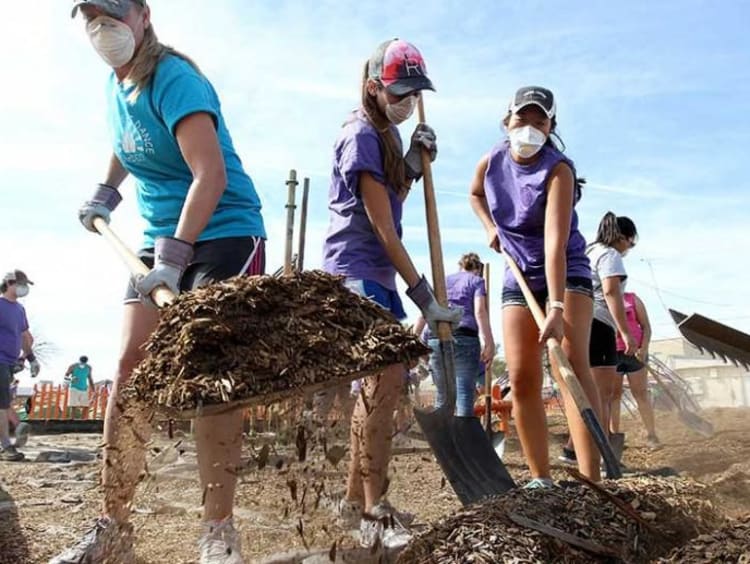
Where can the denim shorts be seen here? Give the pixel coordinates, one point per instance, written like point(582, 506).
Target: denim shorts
point(577, 284)
point(6, 380)
point(384, 297)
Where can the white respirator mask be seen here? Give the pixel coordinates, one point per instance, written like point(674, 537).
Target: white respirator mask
point(526, 141)
point(112, 39)
point(401, 111)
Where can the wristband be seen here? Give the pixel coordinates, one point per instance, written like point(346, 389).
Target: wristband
point(557, 305)
point(31, 357)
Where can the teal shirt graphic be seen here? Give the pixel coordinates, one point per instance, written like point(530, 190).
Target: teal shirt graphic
point(79, 379)
point(143, 137)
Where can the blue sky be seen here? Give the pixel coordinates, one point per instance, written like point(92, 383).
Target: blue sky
point(651, 101)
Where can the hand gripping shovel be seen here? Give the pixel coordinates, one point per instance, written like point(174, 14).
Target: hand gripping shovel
point(459, 443)
point(568, 378)
point(497, 438)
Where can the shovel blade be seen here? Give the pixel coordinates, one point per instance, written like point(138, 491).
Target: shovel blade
point(498, 443)
point(463, 452)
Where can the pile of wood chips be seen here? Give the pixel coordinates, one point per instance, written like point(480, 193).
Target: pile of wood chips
point(267, 338)
point(629, 520)
point(730, 543)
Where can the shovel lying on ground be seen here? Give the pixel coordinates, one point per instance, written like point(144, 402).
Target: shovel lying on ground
point(497, 438)
point(691, 420)
point(568, 379)
point(459, 443)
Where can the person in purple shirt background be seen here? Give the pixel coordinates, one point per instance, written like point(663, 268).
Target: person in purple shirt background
point(370, 180)
point(466, 289)
point(524, 192)
point(14, 338)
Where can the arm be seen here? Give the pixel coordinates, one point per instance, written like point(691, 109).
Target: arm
point(642, 316)
point(27, 341)
point(116, 173)
point(92, 387)
point(612, 289)
point(419, 326)
point(199, 145)
point(485, 331)
point(479, 204)
point(69, 371)
point(557, 217)
point(378, 208)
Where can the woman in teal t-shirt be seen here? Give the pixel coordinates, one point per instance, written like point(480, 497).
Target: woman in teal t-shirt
point(203, 224)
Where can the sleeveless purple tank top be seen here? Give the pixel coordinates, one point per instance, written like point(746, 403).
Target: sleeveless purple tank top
point(517, 198)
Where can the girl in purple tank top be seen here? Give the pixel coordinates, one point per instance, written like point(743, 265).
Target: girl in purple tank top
point(524, 192)
point(371, 178)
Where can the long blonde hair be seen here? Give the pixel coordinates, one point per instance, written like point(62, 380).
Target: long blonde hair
point(393, 161)
point(146, 59)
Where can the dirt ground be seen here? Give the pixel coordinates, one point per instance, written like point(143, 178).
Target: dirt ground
point(285, 506)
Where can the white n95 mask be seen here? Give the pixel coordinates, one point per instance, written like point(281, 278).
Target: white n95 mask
point(112, 39)
point(401, 110)
point(526, 141)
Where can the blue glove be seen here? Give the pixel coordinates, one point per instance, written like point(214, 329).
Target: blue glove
point(171, 258)
point(423, 137)
point(101, 204)
point(424, 298)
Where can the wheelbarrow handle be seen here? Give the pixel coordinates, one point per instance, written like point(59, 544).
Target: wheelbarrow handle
point(161, 296)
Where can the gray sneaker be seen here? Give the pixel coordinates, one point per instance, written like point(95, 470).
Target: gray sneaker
point(10, 454)
point(381, 527)
point(106, 541)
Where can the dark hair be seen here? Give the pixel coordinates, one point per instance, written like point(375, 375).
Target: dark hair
point(471, 262)
point(84, 359)
point(393, 161)
point(613, 228)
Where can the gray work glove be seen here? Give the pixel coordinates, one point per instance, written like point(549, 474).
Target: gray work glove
point(423, 137)
point(101, 204)
point(34, 366)
point(171, 258)
point(424, 298)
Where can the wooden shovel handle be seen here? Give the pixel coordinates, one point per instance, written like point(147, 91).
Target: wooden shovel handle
point(290, 205)
point(433, 233)
point(161, 296)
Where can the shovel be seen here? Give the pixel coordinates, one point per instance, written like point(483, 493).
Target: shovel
point(691, 420)
point(568, 379)
point(459, 443)
point(303, 225)
point(497, 438)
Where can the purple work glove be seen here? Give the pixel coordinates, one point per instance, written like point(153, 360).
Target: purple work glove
point(424, 298)
point(171, 258)
point(102, 203)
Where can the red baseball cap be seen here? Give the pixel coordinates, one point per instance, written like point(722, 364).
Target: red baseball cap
point(400, 67)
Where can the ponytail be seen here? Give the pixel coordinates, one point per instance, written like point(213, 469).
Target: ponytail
point(613, 228)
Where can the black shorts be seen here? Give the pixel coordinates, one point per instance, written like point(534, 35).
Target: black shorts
point(6, 380)
point(578, 284)
point(628, 364)
point(603, 345)
point(213, 261)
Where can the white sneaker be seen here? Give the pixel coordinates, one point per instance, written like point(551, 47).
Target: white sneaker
point(348, 514)
point(106, 541)
point(220, 543)
point(381, 527)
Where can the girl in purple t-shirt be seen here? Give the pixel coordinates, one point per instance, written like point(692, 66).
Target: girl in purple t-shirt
point(524, 192)
point(370, 180)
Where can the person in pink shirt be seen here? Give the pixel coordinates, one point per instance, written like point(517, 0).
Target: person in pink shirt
point(635, 367)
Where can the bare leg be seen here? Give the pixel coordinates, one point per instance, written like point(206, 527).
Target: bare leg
point(615, 406)
point(575, 345)
point(639, 387)
point(523, 355)
point(124, 455)
point(606, 378)
point(219, 443)
point(372, 427)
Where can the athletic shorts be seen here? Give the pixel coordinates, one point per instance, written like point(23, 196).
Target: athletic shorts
point(628, 364)
point(578, 284)
point(6, 380)
point(603, 345)
point(384, 297)
point(78, 398)
point(214, 261)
